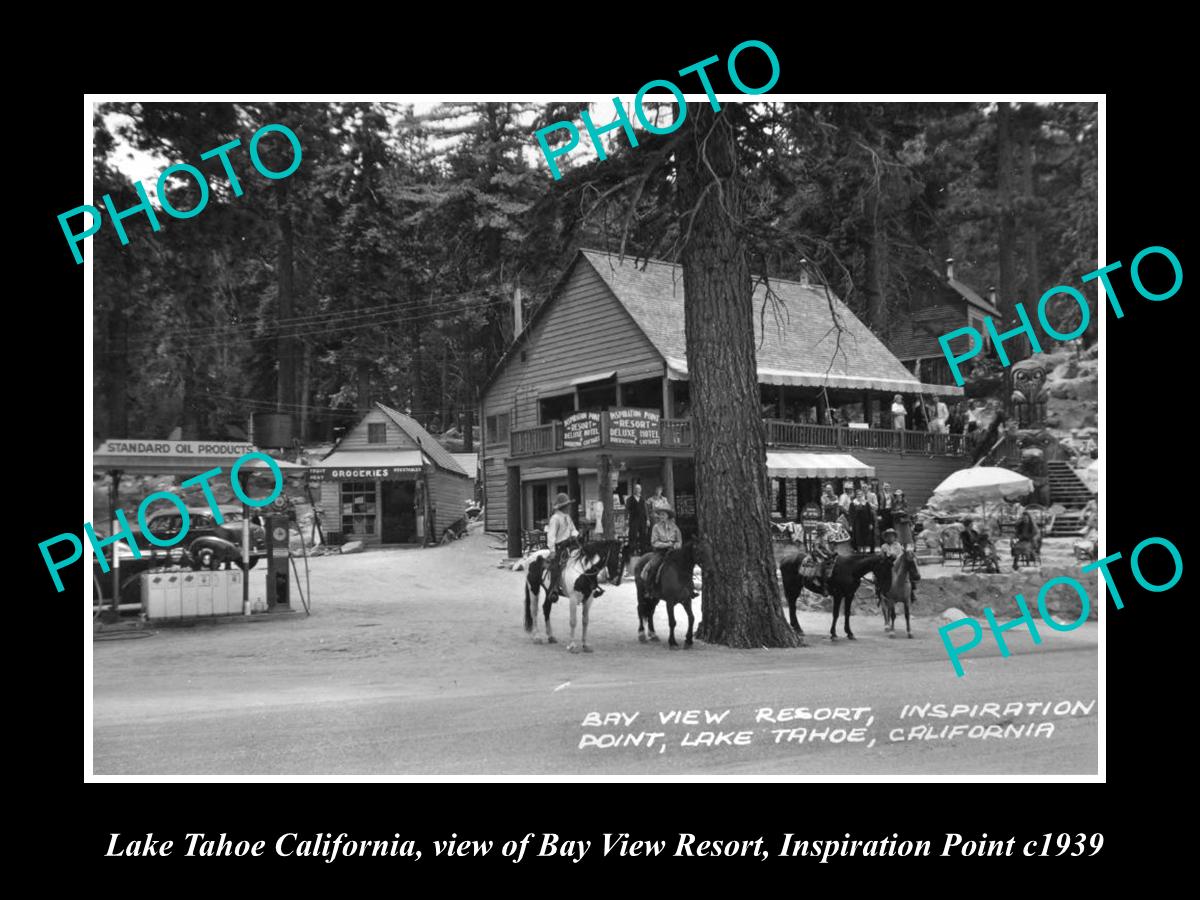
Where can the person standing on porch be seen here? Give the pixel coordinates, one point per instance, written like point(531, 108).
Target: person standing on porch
point(862, 523)
point(829, 503)
point(635, 507)
point(658, 501)
point(898, 413)
point(885, 507)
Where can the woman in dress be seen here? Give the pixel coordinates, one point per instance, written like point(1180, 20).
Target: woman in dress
point(898, 413)
point(862, 523)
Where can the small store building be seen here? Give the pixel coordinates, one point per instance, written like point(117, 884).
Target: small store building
point(387, 481)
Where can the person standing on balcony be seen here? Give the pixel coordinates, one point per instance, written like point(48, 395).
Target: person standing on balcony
point(941, 418)
point(635, 507)
point(899, 413)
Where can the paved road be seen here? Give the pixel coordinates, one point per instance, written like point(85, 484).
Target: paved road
point(432, 685)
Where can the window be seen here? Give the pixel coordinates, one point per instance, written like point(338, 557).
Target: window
point(497, 429)
point(358, 507)
point(377, 433)
point(555, 408)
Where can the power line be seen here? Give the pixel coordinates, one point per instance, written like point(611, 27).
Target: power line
point(233, 340)
point(444, 302)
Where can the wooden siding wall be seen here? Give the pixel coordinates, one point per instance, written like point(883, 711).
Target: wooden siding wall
point(356, 438)
point(585, 332)
point(914, 474)
point(448, 494)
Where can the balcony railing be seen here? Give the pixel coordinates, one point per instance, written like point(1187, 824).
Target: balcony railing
point(608, 431)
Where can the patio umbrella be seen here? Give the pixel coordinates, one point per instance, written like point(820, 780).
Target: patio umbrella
point(981, 484)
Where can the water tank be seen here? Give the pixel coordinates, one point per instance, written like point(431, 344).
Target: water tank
point(272, 430)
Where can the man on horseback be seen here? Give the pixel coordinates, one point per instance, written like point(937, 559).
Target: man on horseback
point(561, 537)
point(665, 537)
point(817, 566)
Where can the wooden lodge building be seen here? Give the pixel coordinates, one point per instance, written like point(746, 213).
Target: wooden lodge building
point(598, 380)
point(947, 304)
point(386, 479)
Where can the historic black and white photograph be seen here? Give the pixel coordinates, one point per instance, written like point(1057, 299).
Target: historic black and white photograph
point(604, 438)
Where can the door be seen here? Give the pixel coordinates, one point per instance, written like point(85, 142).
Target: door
point(399, 519)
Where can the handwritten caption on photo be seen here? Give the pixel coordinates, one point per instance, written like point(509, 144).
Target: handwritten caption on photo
point(845, 725)
point(533, 845)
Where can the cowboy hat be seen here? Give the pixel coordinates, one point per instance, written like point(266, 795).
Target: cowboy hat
point(562, 500)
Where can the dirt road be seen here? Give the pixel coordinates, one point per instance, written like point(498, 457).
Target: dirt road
point(414, 662)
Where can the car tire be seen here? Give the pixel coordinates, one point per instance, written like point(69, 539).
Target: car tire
point(243, 566)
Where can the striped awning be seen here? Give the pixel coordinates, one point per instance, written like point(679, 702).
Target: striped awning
point(677, 370)
point(816, 465)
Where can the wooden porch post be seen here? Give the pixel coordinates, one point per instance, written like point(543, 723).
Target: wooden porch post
point(780, 405)
point(606, 493)
point(514, 511)
point(668, 478)
point(573, 492)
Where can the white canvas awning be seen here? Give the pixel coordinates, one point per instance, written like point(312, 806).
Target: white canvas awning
point(677, 370)
point(816, 465)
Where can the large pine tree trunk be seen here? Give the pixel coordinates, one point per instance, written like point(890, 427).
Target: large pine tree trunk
point(877, 252)
point(286, 393)
point(1029, 219)
point(1007, 231)
point(741, 603)
point(118, 377)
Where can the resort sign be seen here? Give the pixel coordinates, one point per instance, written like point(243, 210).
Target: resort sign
point(634, 427)
point(581, 429)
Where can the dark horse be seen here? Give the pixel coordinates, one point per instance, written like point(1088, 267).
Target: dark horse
point(674, 586)
point(902, 575)
point(586, 567)
point(841, 586)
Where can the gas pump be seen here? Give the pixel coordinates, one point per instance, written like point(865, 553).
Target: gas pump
point(277, 524)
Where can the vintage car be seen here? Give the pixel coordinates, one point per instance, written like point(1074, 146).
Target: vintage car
point(206, 546)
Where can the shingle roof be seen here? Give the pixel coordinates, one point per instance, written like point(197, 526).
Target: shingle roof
point(800, 350)
point(435, 451)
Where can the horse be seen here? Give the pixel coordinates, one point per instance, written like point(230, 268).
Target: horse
point(586, 567)
point(904, 573)
point(675, 586)
point(841, 586)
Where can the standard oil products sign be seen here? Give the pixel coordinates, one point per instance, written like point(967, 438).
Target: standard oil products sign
point(635, 427)
point(581, 429)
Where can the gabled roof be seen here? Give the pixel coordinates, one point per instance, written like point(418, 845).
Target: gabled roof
point(971, 297)
point(423, 439)
point(802, 348)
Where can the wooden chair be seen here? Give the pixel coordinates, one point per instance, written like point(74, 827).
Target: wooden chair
point(951, 544)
